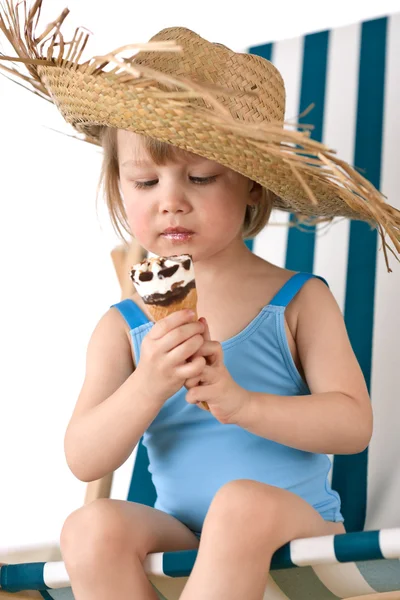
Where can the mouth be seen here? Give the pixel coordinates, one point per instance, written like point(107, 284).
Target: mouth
point(178, 234)
point(178, 237)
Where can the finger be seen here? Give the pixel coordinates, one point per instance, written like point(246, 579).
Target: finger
point(212, 352)
point(198, 395)
point(207, 377)
point(178, 336)
point(206, 334)
point(190, 371)
point(201, 404)
point(208, 349)
point(192, 398)
point(170, 322)
point(217, 355)
point(193, 381)
point(185, 351)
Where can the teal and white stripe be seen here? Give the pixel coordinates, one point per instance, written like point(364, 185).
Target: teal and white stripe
point(383, 473)
point(358, 58)
point(338, 566)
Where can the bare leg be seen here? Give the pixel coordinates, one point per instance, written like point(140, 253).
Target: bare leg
point(126, 579)
point(105, 543)
point(246, 523)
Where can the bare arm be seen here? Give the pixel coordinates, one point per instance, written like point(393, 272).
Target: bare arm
point(112, 411)
point(336, 418)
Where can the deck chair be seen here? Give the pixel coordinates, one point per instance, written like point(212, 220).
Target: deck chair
point(360, 62)
point(355, 564)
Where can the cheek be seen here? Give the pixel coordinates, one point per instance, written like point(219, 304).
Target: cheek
point(137, 219)
point(228, 215)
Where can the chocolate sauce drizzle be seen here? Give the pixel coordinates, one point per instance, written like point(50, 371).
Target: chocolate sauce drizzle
point(163, 273)
point(177, 293)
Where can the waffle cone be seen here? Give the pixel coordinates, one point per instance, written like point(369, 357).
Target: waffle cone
point(189, 302)
point(159, 312)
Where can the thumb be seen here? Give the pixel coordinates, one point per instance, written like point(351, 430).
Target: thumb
point(206, 334)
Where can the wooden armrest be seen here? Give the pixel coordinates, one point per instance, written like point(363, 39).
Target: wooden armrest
point(123, 258)
point(100, 488)
point(48, 551)
point(20, 595)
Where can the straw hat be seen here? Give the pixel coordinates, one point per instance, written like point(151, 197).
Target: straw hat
point(201, 97)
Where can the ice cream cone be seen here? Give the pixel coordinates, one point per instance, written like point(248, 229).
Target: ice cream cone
point(166, 285)
point(158, 311)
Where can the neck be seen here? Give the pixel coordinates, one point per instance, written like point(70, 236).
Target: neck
point(224, 267)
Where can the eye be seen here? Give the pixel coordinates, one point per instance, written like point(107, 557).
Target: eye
point(203, 180)
point(145, 184)
point(195, 180)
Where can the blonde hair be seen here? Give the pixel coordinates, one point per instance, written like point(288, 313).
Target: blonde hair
point(255, 218)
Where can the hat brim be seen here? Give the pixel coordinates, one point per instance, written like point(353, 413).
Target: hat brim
point(305, 175)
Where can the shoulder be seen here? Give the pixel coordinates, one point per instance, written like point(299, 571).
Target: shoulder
point(313, 291)
point(117, 316)
point(109, 339)
point(313, 303)
point(315, 294)
point(313, 285)
point(316, 312)
point(112, 324)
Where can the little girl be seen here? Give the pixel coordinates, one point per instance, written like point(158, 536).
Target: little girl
point(270, 353)
point(281, 380)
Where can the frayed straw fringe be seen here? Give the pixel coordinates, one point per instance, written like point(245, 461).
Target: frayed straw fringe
point(291, 144)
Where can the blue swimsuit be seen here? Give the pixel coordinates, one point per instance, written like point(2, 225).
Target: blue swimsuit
point(192, 454)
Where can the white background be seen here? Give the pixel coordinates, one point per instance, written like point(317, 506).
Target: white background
point(56, 272)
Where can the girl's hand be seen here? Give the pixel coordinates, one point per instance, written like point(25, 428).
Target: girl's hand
point(214, 384)
point(165, 349)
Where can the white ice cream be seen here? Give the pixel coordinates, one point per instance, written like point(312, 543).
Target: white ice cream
point(160, 284)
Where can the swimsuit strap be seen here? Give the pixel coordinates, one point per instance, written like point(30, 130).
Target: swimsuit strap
point(289, 290)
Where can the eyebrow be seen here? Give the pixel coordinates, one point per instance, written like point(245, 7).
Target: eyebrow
point(137, 163)
point(146, 163)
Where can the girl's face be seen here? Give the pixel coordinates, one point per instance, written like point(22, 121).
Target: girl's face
point(194, 194)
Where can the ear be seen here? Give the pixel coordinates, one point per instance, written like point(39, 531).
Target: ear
point(255, 192)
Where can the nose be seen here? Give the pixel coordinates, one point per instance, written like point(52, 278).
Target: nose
point(173, 199)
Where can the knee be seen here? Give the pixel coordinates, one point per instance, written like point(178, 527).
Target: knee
point(246, 506)
point(91, 534)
